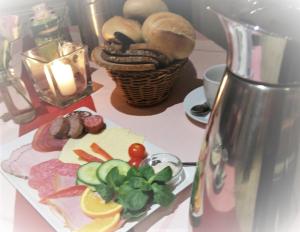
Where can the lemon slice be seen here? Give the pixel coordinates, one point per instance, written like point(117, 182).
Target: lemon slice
point(93, 205)
point(105, 224)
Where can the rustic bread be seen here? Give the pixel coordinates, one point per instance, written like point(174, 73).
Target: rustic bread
point(128, 27)
point(169, 33)
point(141, 9)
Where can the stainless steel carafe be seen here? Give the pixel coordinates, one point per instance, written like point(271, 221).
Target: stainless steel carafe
point(248, 173)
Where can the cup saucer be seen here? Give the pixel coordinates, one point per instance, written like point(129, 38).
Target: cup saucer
point(195, 97)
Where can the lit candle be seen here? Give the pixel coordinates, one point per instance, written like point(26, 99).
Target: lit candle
point(49, 80)
point(64, 77)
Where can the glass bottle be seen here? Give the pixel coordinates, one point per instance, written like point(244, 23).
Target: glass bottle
point(45, 25)
point(12, 89)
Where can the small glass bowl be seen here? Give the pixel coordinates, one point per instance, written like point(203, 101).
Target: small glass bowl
point(157, 160)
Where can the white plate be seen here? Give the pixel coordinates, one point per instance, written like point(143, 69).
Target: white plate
point(195, 97)
point(54, 219)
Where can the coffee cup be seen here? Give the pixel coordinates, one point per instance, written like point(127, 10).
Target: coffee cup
point(211, 80)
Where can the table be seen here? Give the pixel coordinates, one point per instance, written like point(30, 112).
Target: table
point(164, 125)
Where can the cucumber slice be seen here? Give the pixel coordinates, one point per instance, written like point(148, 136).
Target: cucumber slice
point(79, 182)
point(105, 167)
point(87, 173)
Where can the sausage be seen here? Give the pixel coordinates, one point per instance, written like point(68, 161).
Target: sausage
point(59, 128)
point(93, 124)
point(76, 126)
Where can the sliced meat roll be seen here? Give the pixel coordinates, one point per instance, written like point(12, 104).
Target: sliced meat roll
point(43, 141)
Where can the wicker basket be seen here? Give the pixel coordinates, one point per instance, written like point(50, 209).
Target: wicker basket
point(147, 88)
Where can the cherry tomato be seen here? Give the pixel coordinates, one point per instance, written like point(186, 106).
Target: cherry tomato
point(135, 162)
point(137, 151)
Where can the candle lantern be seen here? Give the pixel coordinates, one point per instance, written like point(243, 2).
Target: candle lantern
point(60, 72)
point(12, 88)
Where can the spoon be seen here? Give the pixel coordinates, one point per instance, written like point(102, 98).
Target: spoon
point(200, 110)
point(189, 163)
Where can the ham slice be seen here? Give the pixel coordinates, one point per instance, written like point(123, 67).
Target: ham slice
point(6, 164)
point(22, 159)
point(68, 206)
point(69, 209)
point(43, 141)
point(52, 175)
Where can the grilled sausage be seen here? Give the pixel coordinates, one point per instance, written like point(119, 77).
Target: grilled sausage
point(76, 126)
point(93, 124)
point(60, 127)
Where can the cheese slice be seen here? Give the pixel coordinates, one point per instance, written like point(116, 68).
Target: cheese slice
point(115, 141)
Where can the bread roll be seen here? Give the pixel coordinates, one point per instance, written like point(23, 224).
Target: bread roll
point(128, 27)
point(170, 34)
point(141, 9)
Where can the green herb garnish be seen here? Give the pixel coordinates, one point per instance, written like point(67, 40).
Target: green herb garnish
point(138, 189)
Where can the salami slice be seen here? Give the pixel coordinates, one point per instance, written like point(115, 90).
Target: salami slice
point(93, 124)
point(43, 172)
point(51, 176)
